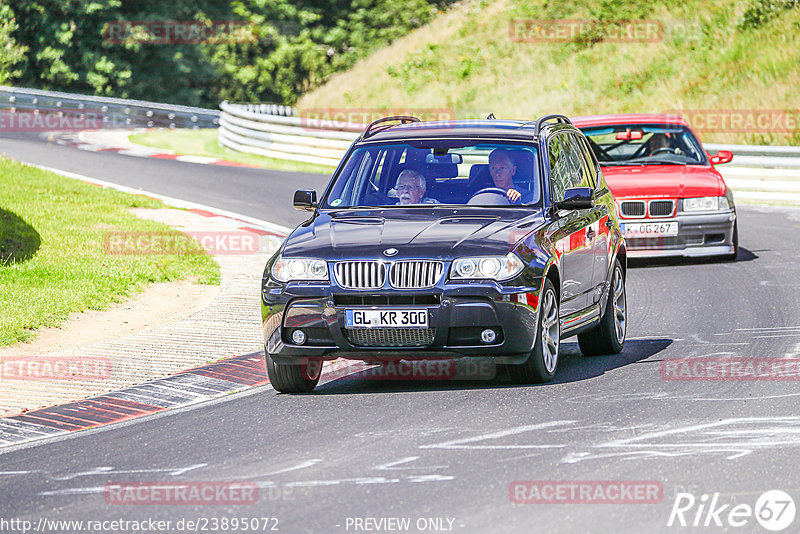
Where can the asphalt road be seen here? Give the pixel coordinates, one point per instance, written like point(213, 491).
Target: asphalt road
point(260, 193)
point(449, 452)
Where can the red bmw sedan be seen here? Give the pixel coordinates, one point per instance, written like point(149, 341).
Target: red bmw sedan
point(670, 198)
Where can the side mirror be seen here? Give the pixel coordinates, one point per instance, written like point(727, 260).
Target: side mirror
point(723, 156)
point(576, 198)
point(305, 199)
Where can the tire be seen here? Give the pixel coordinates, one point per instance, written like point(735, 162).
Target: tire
point(732, 256)
point(540, 367)
point(608, 337)
point(294, 378)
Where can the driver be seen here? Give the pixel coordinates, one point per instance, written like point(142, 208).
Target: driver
point(411, 187)
point(503, 169)
point(659, 141)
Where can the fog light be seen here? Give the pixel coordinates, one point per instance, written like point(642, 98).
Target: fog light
point(488, 336)
point(299, 337)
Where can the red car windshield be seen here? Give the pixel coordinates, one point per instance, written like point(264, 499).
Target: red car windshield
point(645, 144)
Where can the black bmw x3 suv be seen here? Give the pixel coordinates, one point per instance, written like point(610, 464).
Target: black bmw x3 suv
point(453, 239)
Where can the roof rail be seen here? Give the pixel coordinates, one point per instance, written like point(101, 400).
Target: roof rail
point(541, 120)
point(404, 119)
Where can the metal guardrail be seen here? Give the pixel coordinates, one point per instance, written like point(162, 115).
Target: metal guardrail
point(109, 112)
point(276, 132)
point(256, 129)
point(757, 173)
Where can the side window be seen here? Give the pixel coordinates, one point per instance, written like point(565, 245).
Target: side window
point(367, 173)
point(559, 174)
point(357, 168)
point(586, 164)
point(578, 171)
point(591, 161)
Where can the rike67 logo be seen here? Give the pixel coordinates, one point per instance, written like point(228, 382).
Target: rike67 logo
point(774, 510)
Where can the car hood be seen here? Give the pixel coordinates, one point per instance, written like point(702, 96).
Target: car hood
point(664, 181)
point(436, 233)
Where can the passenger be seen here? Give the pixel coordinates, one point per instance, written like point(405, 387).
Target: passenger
point(503, 169)
point(411, 187)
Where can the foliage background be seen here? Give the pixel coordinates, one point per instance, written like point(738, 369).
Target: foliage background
point(59, 45)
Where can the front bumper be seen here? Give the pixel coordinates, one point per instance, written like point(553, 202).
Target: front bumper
point(700, 234)
point(456, 316)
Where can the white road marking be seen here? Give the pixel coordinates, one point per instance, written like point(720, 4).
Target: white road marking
point(391, 465)
point(464, 443)
point(628, 397)
point(430, 478)
point(575, 457)
point(759, 433)
point(768, 328)
point(74, 491)
point(196, 159)
point(170, 201)
point(696, 337)
point(301, 465)
point(336, 482)
point(176, 471)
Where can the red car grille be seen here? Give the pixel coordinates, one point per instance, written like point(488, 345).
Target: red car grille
point(632, 208)
point(640, 209)
point(661, 208)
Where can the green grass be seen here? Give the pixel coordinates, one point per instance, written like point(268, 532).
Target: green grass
point(52, 256)
point(721, 55)
point(203, 142)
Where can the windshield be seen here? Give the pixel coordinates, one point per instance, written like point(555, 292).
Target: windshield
point(432, 172)
point(642, 144)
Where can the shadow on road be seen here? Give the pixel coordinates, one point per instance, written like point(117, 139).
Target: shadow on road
point(573, 367)
point(744, 255)
point(19, 241)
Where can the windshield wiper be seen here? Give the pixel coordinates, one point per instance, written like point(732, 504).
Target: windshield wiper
point(635, 162)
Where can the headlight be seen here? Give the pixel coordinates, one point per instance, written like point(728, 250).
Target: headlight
point(287, 269)
point(706, 204)
point(487, 267)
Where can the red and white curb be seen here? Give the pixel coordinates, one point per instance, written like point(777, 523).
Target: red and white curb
point(183, 389)
point(193, 386)
point(74, 140)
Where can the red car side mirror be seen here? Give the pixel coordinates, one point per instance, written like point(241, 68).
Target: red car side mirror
point(723, 156)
